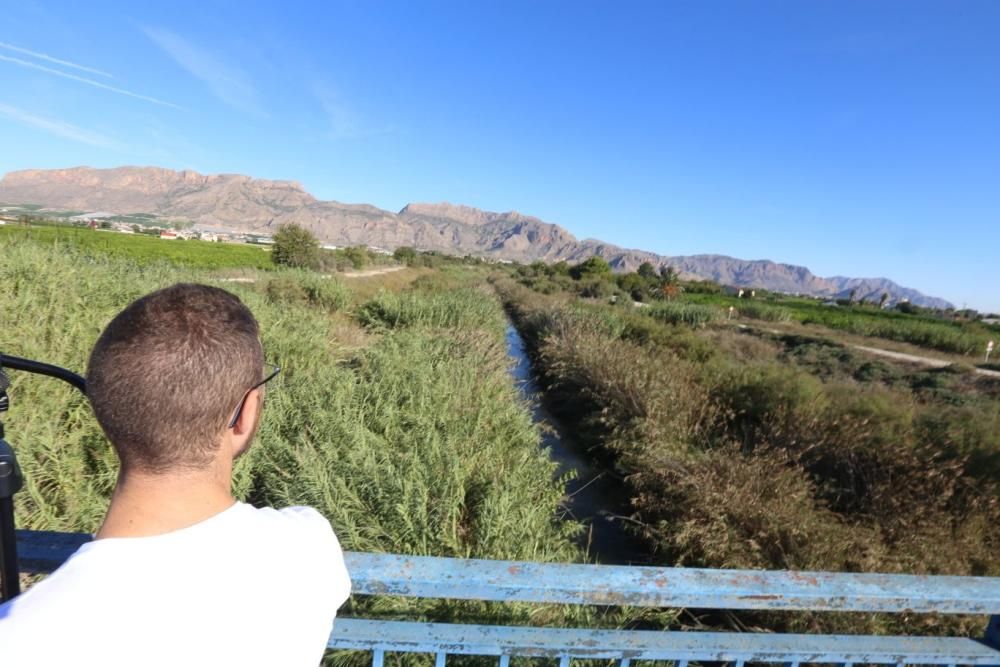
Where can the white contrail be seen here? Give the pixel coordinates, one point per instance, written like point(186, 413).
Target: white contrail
point(58, 127)
point(89, 82)
point(229, 83)
point(43, 56)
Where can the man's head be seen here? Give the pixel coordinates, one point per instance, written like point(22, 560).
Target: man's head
point(167, 374)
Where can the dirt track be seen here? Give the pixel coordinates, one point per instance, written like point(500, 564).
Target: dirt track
point(898, 356)
point(359, 274)
point(926, 361)
point(372, 272)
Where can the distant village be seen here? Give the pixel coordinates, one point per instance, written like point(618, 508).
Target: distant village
point(114, 222)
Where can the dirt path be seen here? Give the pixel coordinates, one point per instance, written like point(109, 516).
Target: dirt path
point(372, 272)
point(926, 361)
point(358, 274)
point(890, 354)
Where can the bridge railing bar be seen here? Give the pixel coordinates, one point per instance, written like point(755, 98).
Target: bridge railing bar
point(509, 581)
point(512, 581)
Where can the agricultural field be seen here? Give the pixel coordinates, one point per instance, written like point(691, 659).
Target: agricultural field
point(141, 248)
point(39, 215)
point(959, 337)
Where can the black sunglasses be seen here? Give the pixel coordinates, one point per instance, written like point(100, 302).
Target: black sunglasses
point(239, 409)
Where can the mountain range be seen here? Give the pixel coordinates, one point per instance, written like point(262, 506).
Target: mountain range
point(242, 203)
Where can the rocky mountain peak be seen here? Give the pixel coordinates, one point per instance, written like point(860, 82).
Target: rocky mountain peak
point(243, 203)
point(465, 215)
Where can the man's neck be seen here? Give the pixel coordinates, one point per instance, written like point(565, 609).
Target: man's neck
point(145, 504)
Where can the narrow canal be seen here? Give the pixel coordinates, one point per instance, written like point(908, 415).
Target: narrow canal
point(595, 497)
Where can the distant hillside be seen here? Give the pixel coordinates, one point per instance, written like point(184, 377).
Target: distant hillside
point(243, 203)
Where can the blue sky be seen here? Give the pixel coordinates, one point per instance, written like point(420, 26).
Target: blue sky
point(857, 139)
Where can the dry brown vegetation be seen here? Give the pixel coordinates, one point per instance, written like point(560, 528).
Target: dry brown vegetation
point(752, 452)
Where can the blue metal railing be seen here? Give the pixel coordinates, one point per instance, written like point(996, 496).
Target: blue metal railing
point(505, 581)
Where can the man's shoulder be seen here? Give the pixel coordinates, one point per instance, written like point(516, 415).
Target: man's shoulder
point(295, 528)
point(107, 582)
point(299, 519)
point(312, 549)
point(302, 513)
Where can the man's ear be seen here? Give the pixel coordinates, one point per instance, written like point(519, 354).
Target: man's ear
point(246, 424)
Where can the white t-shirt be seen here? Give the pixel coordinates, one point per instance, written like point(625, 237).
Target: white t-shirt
point(244, 587)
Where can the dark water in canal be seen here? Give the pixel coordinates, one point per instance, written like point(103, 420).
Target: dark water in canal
point(595, 497)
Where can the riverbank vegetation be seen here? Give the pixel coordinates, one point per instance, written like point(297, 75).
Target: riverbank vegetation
point(758, 449)
point(452, 493)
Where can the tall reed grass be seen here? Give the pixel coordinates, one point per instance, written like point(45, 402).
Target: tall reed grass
point(417, 443)
point(690, 314)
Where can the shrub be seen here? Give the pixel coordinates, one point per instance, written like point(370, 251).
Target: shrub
point(328, 262)
point(285, 288)
point(405, 255)
point(764, 312)
point(876, 371)
point(357, 256)
point(325, 293)
point(454, 308)
point(594, 267)
point(595, 288)
point(729, 509)
point(688, 314)
point(296, 247)
point(702, 287)
point(303, 287)
point(820, 356)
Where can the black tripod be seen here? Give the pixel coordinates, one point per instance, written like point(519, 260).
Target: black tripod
point(10, 474)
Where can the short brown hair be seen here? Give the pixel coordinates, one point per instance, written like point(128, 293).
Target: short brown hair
point(167, 373)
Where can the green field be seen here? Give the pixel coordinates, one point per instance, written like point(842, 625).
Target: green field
point(957, 337)
point(141, 248)
point(705, 302)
